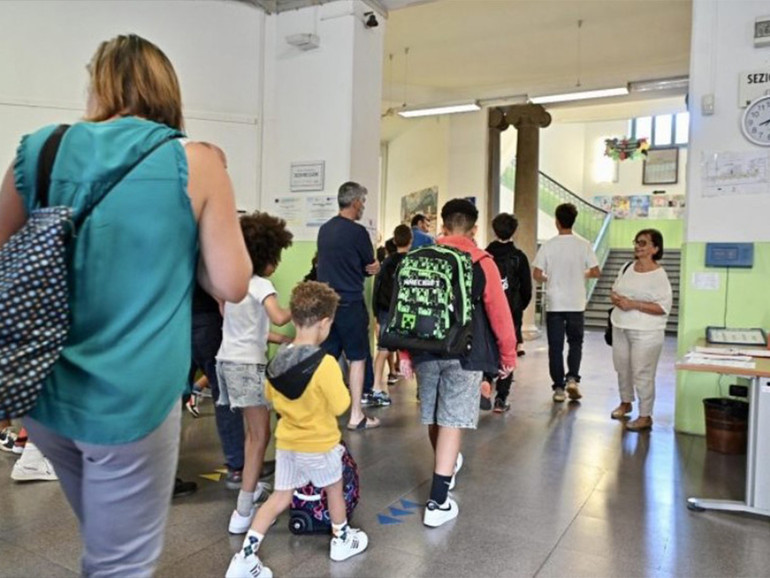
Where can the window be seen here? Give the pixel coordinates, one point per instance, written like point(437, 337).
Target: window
point(663, 130)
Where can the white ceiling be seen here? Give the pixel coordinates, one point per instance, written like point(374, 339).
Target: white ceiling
point(489, 49)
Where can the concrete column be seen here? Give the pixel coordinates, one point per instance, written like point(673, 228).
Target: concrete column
point(528, 119)
point(496, 124)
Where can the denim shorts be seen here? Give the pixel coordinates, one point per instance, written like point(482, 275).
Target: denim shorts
point(241, 384)
point(382, 319)
point(295, 469)
point(449, 394)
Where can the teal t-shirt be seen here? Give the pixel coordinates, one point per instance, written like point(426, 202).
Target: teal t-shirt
point(127, 356)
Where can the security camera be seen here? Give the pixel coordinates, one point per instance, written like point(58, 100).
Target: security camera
point(370, 20)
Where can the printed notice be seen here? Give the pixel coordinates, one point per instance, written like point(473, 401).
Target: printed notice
point(290, 209)
point(734, 173)
point(319, 209)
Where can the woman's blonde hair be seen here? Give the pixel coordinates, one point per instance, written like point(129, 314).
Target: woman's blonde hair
point(132, 76)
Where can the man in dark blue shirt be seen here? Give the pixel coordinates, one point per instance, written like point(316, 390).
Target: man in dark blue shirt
point(345, 259)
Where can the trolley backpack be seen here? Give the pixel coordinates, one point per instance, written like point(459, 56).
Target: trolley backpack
point(432, 302)
point(34, 307)
point(309, 511)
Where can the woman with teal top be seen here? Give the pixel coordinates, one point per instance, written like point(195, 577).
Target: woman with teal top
point(108, 416)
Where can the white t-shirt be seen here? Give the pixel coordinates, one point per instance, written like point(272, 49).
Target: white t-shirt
point(246, 325)
point(652, 287)
point(565, 259)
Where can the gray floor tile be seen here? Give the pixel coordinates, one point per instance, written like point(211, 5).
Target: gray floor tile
point(17, 562)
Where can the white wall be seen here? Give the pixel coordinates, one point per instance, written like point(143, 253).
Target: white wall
point(323, 105)
point(45, 46)
point(417, 159)
point(722, 47)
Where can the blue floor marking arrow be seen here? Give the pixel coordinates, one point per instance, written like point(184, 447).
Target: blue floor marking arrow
point(397, 512)
point(387, 520)
point(410, 505)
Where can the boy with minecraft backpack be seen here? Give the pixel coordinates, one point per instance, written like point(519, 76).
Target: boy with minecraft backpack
point(517, 284)
point(306, 388)
point(453, 337)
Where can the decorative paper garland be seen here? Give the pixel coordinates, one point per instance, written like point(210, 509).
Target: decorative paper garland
point(621, 149)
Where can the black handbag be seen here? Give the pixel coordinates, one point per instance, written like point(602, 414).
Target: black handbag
point(608, 330)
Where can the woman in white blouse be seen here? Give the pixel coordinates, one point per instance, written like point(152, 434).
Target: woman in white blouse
point(642, 299)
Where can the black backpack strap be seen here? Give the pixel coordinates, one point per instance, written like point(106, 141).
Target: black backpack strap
point(45, 162)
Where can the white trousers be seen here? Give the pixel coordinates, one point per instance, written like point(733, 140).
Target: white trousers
point(635, 355)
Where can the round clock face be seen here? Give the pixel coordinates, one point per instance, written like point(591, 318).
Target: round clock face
point(756, 121)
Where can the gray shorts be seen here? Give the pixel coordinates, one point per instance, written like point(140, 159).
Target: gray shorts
point(295, 469)
point(241, 384)
point(449, 394)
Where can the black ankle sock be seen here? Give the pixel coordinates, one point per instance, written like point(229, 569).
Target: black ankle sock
point(440, 488)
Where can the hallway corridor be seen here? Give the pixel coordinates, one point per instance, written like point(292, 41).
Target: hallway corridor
point(547, 490)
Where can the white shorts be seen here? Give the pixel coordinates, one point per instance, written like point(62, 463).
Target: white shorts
point(295, 469)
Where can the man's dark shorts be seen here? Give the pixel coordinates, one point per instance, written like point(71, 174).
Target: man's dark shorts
point(350, 332)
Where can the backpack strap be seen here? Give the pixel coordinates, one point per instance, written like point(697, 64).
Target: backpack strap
point(45, 162)
point(625, 267)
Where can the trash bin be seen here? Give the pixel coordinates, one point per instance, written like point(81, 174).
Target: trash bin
point(726, 425)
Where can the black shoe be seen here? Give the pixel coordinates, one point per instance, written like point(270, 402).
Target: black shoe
point(485, 403)
point(501, 406)
point(182, 488)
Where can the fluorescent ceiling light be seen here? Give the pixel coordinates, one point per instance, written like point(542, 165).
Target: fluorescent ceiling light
point(442, 109)
point(586, 94)
point(675, 83)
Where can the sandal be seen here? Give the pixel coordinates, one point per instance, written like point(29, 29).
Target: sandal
point(365, 423)
point(640, 424)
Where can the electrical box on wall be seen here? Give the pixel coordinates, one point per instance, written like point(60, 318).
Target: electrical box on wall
point(762, 31)
point(739, 255)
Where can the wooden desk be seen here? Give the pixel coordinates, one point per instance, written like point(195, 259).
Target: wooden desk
point(757, 500)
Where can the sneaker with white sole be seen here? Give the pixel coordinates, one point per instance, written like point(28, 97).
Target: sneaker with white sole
point(7, 439)
point(33, 466)
point(458, 465)
point(353, 542)
point(241, 524)
point(243, 566)
point(573, 390)
point(262, 493)
point(558, 395)
point(381, 399)
point(436, 515)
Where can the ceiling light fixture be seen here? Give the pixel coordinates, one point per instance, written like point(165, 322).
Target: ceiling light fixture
point(414, 112)
point(580, 95)
point(673, 83)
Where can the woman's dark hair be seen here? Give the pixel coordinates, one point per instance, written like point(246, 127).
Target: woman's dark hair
point(657, 241)
point(266, 236)
point(504, 225)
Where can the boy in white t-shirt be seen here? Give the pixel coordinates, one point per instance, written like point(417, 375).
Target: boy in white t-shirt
point(564, 263)
point(242, 356)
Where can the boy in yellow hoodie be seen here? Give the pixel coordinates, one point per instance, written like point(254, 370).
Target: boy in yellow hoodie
point(306, 388)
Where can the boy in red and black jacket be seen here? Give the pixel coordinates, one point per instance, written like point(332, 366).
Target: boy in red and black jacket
point(450, 386)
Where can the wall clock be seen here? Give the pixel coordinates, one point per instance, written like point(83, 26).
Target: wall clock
point(756, 121)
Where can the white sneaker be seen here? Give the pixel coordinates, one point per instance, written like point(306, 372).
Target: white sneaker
point(458, 465)
point(559, 395)
point(33, 466)
point(355, 542)
point(241, 524)
point(573, 390)
point(242, 566)
point(436, 515)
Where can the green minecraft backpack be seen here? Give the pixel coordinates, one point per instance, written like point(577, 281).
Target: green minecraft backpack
point(431, 306)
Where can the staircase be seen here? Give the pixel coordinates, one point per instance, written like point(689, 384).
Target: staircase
point(599, 304)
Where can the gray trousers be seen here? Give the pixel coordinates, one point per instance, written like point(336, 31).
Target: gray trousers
point(120, 494)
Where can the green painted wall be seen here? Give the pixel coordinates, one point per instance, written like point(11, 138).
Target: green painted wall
point(744, 297)
point(622, 231)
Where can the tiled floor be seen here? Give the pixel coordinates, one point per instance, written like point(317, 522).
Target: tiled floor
point(547, 490)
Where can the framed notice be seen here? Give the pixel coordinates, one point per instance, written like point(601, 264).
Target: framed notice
point(307, 176)
point(661, 167)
